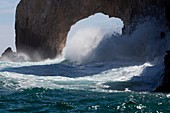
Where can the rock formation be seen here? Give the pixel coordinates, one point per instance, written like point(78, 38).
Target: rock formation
point(7, 54)
point(42, 25)
point(165, 86)
point(167, 12)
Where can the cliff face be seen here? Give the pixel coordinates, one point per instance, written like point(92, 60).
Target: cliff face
point(165, 86)
point(167, 11)
point(42, 25)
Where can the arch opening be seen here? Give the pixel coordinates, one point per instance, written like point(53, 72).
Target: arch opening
point(99, 38)
point(86, 36)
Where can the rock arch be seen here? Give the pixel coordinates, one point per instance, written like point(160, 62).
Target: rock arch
point(42, 25)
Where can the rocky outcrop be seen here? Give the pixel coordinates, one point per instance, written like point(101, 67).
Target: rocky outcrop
point(7, 55)
point(167, 12)
point(42, 25)
point(7, 52)
point(165, 86)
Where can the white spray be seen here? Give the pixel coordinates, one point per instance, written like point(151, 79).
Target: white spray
point(86, 35)
point(99, 40)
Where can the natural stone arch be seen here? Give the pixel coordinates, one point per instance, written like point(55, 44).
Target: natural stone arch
point(42, 25)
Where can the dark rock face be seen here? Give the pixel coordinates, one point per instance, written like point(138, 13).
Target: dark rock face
point(167, 12)
point(42, 25)
point(165, 86)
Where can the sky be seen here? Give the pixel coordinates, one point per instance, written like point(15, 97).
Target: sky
point(7, 24)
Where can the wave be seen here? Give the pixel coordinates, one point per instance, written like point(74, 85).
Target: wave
point(98, 77)
point(107, 60)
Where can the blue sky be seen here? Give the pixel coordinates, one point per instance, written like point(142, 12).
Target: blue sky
point(7, 22)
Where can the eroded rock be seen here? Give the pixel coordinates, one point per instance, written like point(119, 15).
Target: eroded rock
point(42, 25)
point(165, 86)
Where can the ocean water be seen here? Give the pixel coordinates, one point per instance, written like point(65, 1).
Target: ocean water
point(58, 87)
point(104, 71)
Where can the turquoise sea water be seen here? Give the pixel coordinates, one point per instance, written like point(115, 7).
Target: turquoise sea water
point(81, 101)
point(27, 87)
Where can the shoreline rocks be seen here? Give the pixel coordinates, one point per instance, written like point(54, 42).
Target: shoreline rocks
point(9, 55)
point(7, 52)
